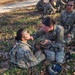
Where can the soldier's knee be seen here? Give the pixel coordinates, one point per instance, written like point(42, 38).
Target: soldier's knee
point(51, 58)
point(61, 61)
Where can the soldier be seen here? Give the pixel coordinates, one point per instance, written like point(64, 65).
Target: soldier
point(21, 54)
point(40, 5)
point(57, 5)
point(45, 6)
point(53, 36)
point(67, 20)
point(61, 4)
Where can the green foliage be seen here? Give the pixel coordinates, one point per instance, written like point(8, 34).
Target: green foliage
point(15, 71)
point(11, 22)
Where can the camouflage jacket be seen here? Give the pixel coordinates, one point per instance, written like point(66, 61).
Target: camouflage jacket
point(22, 55)
point(45, 6)
point(67, 20)
point(56, 36)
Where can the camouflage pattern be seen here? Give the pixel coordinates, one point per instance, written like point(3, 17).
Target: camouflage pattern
point(23, 57)
point(45, 7)
point(48, 8)
point(40, 5)
point(61, 2)
point(65, 1)
point(67, 20)
point(52, 35)
point(60, 5)
point(54, 50)
point(57, 5)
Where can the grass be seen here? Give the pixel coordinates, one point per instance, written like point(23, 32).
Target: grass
point(11, 22)
point(18, 71)
point(20, 18)
point(15, 71)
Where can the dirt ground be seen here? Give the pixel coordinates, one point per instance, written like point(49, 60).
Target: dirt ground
point(4, 2)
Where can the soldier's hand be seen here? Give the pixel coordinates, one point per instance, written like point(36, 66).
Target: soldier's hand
point(38, 48)
point(31, 38)
point(68, 35)
point(45, 42)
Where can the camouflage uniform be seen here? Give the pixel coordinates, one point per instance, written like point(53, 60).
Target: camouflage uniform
point(67, 20)
point(23, 57)
point(45, 7)
point(55, 49)
point(60, 4)
point(57, 6)
point(40, 6)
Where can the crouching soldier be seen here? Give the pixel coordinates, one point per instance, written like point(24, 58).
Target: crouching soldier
point(67, 20)
point(44, 6)
point(21, 54)
point(54, 34)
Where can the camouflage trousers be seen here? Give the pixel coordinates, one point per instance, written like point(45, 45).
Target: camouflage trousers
point(57, 56)
point(53, 54)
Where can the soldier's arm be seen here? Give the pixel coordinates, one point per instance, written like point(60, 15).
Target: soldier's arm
point(60, 38)
point(71, 31)
point(38, 34)
point(61, 19)
point(72, 22)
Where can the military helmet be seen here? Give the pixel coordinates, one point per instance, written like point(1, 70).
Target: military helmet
point(54, 69)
